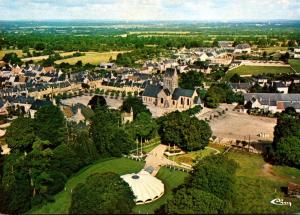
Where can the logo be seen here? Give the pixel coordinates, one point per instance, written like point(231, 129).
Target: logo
point(281, 202)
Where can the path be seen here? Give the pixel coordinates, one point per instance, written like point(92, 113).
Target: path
point(268, 172)
point(156, 159)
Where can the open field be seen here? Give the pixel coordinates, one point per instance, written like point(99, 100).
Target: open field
point(258, 185)
point(295, 63)
point(92, 58)
point(3, 52)
point(43, 57)
point(62, 200)
point(274, 49)
point(256, 70)
point(171, 180)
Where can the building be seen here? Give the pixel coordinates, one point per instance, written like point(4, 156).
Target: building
point(225, 44)
point(145, 187)
point(244, 48)
point(240, 87)
point(170, 95)
point(297, 53)
point(273, 102)
point(127, 117)
point(293, 189)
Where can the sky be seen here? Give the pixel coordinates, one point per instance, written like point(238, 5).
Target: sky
point(140, 10)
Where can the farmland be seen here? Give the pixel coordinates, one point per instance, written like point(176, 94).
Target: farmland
point(91, 57)
point(257, 70)
point(17, 51)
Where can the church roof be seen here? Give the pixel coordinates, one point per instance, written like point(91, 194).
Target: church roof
point(182, 92)
point(170, 72)
point(152, 90)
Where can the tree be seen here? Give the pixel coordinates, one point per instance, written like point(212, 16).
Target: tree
point(286, 141)
point(20, 135)
point(136, 104)
point(97, 101)
point(104, 193)
point(287, 151)
point(215, 174)
point(104, 125)
point(191, 79)
point(144, 126)
point(84, 147)
point(186, 132)
point(236, 78)
point(50, 124)
point(193, 201)
point(40, 46)
point(11, 58)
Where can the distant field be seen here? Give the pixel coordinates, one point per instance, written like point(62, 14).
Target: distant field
point(3, 52)
point(295, 64)
point(38, 58)
point(92, 58)
point(256, 70)
point(274, 49)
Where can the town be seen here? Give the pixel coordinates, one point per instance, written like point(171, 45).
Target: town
point(154, 117)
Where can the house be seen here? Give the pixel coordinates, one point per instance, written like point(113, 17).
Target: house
point(170, 95)
point(107, 66)
point(273, 102)
point(203, 57)
point(282, 87)
point(225, 44)
point(127, 117)
point(297, 53)
point(240, 87)
point(244, 48)
point(3, 106)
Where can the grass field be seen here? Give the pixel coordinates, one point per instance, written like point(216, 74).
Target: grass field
point(91, 57)
point(43, 57)
point(274, 49)
point(63, 199)
point(295, 63)
point(171, 180)
point(257, 187)
point(256, 70)
point(3, 52)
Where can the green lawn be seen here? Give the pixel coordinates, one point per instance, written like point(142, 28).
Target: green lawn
point(171, 180)
point(256, 188)
point(295, 63)
point(63, 199)
point(256, 70)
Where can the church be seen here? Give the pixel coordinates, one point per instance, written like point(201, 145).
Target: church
point(170, 95)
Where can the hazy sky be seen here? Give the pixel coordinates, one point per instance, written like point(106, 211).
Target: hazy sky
point(150, 9)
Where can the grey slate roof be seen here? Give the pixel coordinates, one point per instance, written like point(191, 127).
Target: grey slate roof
point(272, 97)
point(182, 92)
point(244, 86)
point(243, 46)
point(170, 72)
point(152, 90)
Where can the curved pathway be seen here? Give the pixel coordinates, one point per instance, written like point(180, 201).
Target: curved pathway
point(156, 159)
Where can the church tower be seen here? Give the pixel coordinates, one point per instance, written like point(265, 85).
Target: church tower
point(171, 79)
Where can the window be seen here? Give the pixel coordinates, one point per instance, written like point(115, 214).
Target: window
point(182, 102)
point(173, 102)
point(188, 102)
point(162, 100)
